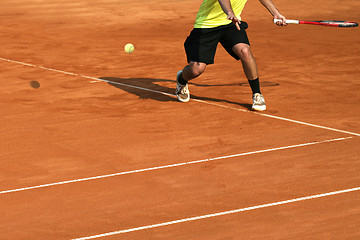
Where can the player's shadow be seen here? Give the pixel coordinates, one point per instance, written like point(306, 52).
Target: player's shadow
point(147, 88)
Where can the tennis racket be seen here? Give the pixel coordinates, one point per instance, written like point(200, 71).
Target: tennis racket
point(329, 23)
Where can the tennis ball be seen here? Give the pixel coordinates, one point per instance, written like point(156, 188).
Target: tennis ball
point(129, 48)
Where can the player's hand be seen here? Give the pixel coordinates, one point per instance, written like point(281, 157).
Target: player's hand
point(231, 16)
point(281, 17)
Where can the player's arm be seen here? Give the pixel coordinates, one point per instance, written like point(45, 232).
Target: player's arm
point(269, 5)
point(226, 7)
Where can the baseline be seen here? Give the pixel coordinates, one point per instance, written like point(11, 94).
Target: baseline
point(175, 165)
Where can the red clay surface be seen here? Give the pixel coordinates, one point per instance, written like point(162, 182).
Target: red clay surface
point(72, 128)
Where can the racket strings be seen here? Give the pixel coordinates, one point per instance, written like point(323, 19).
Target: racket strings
point(340, 23)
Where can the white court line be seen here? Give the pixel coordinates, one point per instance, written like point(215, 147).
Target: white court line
point(173, 165)
point(282, 118)
point(197, 100)
point(220, 214)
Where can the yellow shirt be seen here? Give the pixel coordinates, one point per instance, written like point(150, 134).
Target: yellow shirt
point(211, 14)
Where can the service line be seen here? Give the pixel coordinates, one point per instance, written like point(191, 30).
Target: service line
point(174, 165)
point(220, 214)
point(197, 100)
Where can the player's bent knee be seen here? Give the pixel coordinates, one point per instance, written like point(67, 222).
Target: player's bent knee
point(197, 68)
point(244, 52)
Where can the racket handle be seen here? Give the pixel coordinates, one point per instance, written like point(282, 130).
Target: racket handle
point(287, 21)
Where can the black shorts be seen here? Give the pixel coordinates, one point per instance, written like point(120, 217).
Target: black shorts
point(201, 44)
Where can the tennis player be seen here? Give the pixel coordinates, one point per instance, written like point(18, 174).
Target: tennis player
point(220, 21)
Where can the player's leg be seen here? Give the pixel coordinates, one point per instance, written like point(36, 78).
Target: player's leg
point(200, 48)
point(191, 71)
point(237, 45)
point(243, 51)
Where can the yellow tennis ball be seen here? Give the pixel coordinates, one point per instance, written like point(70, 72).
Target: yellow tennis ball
point(129, 48)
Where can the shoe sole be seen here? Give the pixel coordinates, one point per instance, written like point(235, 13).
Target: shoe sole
point(182, 100)
point(259, 108)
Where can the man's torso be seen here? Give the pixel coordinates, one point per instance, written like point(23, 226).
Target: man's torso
point(211, 14)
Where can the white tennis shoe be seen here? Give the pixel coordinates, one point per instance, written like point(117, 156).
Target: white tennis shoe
point(182, 91)
point(258, 102)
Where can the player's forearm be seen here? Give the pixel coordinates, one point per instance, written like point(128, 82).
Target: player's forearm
point(226, 6)
point(270, 7)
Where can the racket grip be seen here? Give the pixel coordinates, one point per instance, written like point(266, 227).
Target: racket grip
point(287, 21)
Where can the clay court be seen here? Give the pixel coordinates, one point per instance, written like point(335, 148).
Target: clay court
point(103, 149)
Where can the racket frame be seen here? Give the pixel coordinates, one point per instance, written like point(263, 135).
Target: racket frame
point(322, 23)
